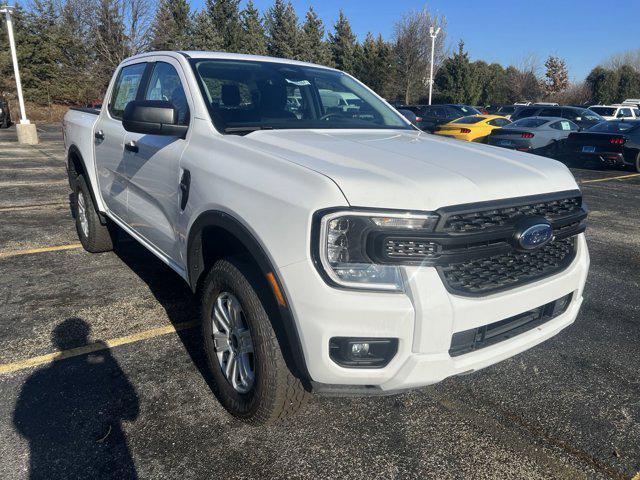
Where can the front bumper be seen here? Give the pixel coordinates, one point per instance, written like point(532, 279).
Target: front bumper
point(423, 319)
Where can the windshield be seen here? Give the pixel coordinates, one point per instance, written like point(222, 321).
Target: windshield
point(614, 127)
point(609, 112)
point(244, 95)
point(469, 120)
point(528, 123)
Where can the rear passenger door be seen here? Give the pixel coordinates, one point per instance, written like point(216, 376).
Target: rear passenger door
point(109, 138)
point(153, 163)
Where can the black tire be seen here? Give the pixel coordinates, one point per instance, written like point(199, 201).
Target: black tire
point(276, 393)
point(97, 237)
point(635, 166)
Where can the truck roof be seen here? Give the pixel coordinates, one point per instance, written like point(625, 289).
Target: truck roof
point(226, 56)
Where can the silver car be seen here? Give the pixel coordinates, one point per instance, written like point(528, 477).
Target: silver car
point(540, 135)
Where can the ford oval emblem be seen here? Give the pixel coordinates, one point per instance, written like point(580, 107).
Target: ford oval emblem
point(534, 236)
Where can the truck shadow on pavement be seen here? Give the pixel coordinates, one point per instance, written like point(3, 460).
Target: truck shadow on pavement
point(71, 412)
point(172, 293)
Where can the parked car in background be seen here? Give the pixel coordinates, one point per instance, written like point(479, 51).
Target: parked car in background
point(540, 135)
point(430, 116)
point(632, 101)
point(545, 104)
point(506, 111)
point(613, 112)
point(5, 114)
point(583, 117)
point(481, 109)
point(523, 103)
point(472, 128)
point(615, 142)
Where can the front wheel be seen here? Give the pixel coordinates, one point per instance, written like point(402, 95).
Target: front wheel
point(251, 377)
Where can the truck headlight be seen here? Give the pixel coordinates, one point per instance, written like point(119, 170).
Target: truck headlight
point(342, 246)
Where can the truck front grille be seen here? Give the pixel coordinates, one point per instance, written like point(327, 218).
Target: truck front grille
point(480, 220)
point(508, 270)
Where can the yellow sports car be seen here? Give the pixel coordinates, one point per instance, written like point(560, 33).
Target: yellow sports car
point(473, 128)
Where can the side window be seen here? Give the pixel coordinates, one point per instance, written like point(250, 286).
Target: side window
point(527, 112)
point(624, 113)
point(636, 111)
point(563, 125)
point(126, 88)
point(165, 85)
point(498, 122)
point(549, 112)
point(570, 114)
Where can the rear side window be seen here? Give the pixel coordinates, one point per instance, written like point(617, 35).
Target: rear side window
point(564, 125)
point(526, 112)
point(469, 120)
point(165, 85)
point(499, 122)
point(549, 112)
point(625, 113)
point(529, 123)
point(126, 88)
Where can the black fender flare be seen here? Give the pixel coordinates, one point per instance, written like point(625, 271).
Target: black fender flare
point(195, 271)
point(74, 151)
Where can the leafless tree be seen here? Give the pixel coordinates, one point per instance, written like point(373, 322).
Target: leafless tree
point(630, 57)
point(412, 46)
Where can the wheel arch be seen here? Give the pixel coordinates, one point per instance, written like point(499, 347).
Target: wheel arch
point(232, 237)
point(77, 166)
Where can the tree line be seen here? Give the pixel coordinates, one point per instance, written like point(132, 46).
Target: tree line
point(68, 50)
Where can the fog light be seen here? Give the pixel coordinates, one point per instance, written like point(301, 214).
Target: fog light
point(362, 352)
point(359, 349)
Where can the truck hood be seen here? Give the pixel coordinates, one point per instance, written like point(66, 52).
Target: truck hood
point(412, 170)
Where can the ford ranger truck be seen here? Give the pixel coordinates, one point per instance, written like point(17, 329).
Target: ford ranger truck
point(333, 250)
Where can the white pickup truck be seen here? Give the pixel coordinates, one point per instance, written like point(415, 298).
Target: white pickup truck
point(333, 251)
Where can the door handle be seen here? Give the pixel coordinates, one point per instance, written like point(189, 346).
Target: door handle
point(99, 135)
point(131, 146)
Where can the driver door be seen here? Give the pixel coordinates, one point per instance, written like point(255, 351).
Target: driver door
point(153, 164)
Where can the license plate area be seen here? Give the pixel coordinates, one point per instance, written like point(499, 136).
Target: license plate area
point(588, 149)
point(505, 143)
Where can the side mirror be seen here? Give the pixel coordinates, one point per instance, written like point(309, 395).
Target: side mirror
point(409, 115)
point(153, 117)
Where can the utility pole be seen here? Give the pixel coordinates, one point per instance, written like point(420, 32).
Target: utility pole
point(433, 33)
point(27, 132)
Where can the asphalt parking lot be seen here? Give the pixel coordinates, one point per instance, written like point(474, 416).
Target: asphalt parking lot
point(129, 397)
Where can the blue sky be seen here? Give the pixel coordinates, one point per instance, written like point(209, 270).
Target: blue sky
point(584, 32)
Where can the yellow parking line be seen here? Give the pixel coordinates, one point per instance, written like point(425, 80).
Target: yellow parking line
point(29, 251)
point(33, 207)
point(94, 347)
point(612, 178)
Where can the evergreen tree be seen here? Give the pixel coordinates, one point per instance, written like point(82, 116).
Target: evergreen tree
point(603, 84)
point(171, 26)
point(282, 31)
point(455, 80)
point(254, 37)
point(628, 83)
point(313, 47)
point(203, 34)
point(342, 43)
point(225, 18)
point(375, 64)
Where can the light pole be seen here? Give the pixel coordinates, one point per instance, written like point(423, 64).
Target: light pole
point(27, 132)
point(433, 33)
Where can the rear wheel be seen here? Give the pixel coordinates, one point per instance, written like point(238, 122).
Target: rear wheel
point(636, 165)
point(93, 234)
point(251, 377)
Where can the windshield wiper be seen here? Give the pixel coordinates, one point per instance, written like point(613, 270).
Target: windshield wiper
point(246, 129)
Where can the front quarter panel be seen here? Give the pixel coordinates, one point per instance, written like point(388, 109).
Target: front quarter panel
point(272, 198)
